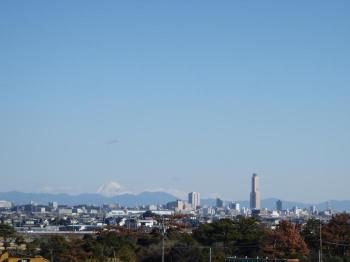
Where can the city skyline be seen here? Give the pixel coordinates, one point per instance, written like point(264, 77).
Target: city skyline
point(178, 97)
point(174, 130)
point(114, 189)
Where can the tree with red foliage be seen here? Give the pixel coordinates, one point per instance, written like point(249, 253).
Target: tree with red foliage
point(285, 242)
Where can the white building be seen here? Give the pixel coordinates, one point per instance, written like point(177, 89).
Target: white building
point(116, 213)
point(152, 207)
point(180, 206)
point(208, 211)
point(5, 204)
point(146, 222)
point(194, 198)
point(65, 211)
point(235, 206)
point(53, 205)
point(163, 212)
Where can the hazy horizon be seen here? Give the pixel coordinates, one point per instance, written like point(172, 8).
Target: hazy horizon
point(176, 96)
point(183, 196)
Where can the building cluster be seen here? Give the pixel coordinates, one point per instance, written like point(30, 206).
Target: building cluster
point(35, 218)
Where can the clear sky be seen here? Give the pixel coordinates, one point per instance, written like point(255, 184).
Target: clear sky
point(176, 95)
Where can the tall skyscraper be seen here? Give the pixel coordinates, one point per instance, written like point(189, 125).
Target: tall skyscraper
point(194, 198)
point(255, 194)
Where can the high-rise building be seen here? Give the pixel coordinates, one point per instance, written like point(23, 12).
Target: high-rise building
point(313, 210)
point(255, 193)
point(234, 206)
point(53, 205)
point(219, 203)
point(194, 199)
point(279, 205)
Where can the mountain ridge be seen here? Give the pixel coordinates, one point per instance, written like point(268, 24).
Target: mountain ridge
point(126, 199)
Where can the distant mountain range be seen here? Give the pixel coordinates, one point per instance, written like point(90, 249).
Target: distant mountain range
point(130, 200)
point(147, 198)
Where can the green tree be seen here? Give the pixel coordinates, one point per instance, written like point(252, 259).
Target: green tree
point(336, 236)
point(114, 245)
point(221, 232)
point(311, 235)
point(243, 237)
point(33, 246)
point(56, 247)
point(7, 233)
point(145, 240)
point(249, 239)
point(186, 253)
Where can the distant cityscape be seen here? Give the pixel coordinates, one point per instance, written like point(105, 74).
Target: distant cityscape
point(40, 231)
point(39, 218)
point(174, 131)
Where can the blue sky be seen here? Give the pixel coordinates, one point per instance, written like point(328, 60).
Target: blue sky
point(176, 96)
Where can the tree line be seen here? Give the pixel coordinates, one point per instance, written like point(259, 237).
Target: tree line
point(240, 237)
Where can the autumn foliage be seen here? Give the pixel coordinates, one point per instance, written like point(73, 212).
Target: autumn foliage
point(239, 237)
point(285, 242)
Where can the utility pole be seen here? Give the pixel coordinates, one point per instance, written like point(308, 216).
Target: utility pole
point(163, 234)
point(209, 254)
point(320, 251)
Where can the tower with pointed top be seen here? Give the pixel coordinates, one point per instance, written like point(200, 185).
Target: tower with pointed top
point(255, 193)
